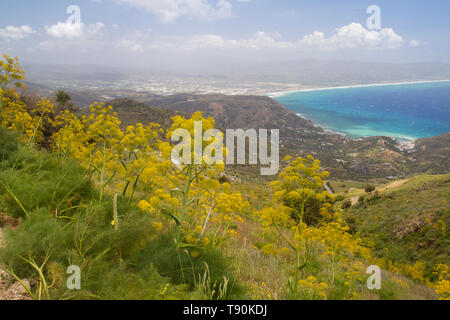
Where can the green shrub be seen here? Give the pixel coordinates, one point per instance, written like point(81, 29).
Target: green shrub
point(92, 226)
point(374, 198)
point(346, 204)
point(117, 283)
point(88, 240)
point(312, 206)
point(361, 199)
point(369, 188)
point(39, 238)
point(39, 180)
point(223, 179)
point(8, 144)
point(181, 268)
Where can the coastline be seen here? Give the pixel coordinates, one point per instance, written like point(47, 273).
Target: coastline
point(404, 142)
point(354, 137)
point(283, 93)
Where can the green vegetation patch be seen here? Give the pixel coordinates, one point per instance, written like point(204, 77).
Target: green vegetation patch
point(407, 223)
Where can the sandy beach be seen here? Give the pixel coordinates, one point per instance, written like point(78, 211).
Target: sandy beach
point(282, 93)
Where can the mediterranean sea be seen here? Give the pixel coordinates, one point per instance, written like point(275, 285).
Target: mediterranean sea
point(405, 111)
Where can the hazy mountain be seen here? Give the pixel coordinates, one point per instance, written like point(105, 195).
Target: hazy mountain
point(253, 77)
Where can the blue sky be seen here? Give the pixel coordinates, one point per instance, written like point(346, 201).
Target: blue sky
point(176, 31)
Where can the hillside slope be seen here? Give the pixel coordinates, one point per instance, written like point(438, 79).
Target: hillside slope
point(408, 221)
point(432, 154)
point(130, 112)
point(237, 111)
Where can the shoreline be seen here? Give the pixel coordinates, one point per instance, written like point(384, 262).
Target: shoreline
point(283, 93)
point(400, 139)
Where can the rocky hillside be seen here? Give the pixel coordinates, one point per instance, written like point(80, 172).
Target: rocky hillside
point(131, 111)
point(432, 154)
point(236, 111)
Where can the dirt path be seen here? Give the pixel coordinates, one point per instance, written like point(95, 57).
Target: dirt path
point(393, 185)
point(389, 186)
point(354, 200)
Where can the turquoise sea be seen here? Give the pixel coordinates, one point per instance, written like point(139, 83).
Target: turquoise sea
point(406, 111)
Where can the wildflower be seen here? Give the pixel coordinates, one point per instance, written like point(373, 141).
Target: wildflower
point(269, 249)
point(205, 241)
point(154, 201)
point(191, 239)
point(157, 226)
point(324, 285)
point(198, 229)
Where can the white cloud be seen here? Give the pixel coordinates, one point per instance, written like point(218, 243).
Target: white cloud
point(65, 30)
point(16, 33)
point(73, 30)
point(129, 45)
point(95, 29)
point(353, 36)
point(170, 10)
point(414, 43)
point(259, 40)
point(350, 37)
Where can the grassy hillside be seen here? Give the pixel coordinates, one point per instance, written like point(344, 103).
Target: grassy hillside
point(52, 213)
point(53, 219)
point(408, 221)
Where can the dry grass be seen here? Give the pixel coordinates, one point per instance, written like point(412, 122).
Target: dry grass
point(251, 266)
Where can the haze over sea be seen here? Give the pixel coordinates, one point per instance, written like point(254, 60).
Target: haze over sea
point(405, 111)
